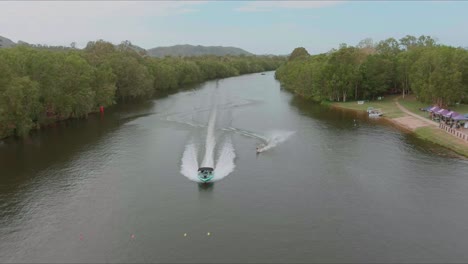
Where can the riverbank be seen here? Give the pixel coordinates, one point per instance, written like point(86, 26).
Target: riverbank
point(54, 85)
point(46, 120)
point(410, 119)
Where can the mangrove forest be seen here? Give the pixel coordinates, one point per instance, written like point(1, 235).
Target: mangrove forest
point(41, 85)
point(435, 73)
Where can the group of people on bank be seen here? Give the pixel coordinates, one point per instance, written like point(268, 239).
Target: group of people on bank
point(450, 118)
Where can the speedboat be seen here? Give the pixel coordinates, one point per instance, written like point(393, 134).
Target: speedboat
point(205, 174)
point(375, 113)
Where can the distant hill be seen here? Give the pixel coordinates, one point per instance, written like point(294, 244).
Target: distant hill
point(138, 49)
point(189, 50)
point(176, 51)
point(6, 43)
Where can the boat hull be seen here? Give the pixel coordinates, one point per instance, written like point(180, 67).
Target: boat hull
point(205, 178)
point(375, 113)
point(205, 174)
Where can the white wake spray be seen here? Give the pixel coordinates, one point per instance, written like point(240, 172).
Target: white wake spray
point(224, 164)
point(269, 141)
point(208, 160)
point(189, 167)
point(274, 138)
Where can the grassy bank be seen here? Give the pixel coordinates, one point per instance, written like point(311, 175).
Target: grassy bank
point(387, 105)
point(413, 105)
point(429, 132)
point(440, 137)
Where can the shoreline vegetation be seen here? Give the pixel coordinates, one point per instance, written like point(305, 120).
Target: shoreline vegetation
point(433, 73)
point(40, 86)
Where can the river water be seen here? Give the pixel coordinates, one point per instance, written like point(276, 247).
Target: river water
point(335, 187)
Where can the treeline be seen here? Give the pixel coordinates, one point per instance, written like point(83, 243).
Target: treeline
point(40, 86)
point(435, 73)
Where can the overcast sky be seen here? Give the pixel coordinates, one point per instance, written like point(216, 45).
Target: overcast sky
point(260, 27)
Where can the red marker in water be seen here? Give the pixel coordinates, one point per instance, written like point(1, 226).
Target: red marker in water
point(133, 236)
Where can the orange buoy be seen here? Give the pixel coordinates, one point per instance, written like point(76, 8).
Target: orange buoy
point(101, 109)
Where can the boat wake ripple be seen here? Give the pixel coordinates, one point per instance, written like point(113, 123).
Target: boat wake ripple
point(224, 163)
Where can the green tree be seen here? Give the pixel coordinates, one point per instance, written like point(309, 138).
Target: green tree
point(437, 75)
point(388, 47)
point(19, 106)
point(298, 53)
point(378, 75)
point(133, 78)
point(103, 85)
point(408, 42)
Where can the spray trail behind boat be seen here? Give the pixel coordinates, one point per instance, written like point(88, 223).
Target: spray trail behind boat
point(208, 160)
point(274, 138)
point(245, 133)
point(189, 165)
point(269, 140)
point(224, 164)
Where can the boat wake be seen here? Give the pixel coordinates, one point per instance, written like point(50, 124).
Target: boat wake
point(273, 139)
point(224, 163)
point(189, 165)
point(245, 133)
point(269, 140)
point(210, 143)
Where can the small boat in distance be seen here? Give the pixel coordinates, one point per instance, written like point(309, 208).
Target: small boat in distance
point(374, 113)
point(262, 73)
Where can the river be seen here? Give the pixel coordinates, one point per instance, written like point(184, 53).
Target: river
point(341, 188)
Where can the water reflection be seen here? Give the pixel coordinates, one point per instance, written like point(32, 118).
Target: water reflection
point(22, 160)
point(338, 118)
point(205, 191)
point(206, 187)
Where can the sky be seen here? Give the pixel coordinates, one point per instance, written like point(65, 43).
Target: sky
point(260, 27)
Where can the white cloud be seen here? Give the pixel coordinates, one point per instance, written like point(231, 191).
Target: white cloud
point(266, 6)
point(62, 22)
